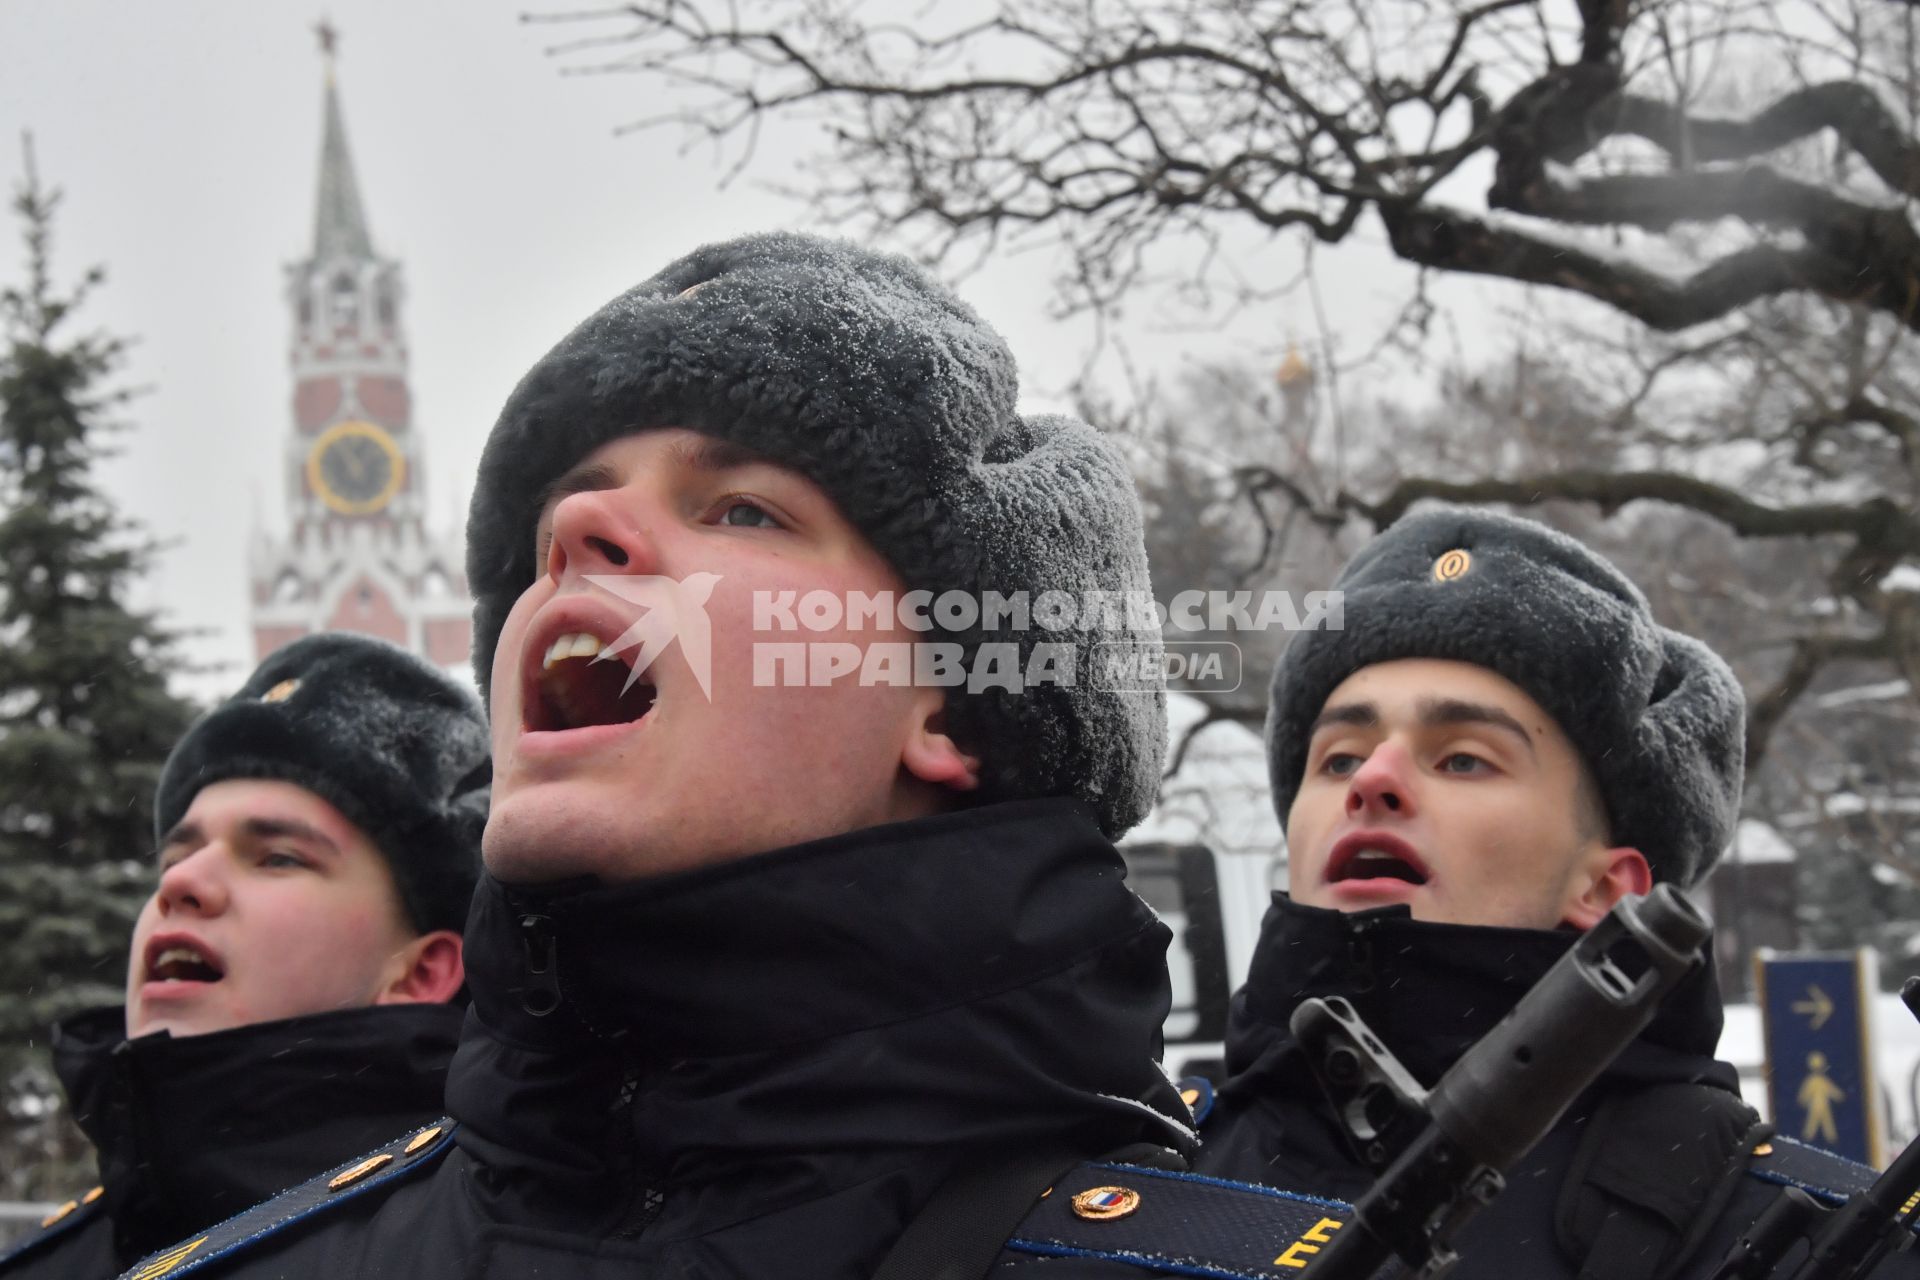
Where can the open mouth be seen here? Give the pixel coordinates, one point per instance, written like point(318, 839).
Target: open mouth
point(580, 685)
point(1367, 858)
point(176, 961)
point(1373, 864)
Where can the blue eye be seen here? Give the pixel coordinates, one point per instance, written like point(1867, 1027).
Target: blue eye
point(1340, 764)
point(742, 514)
point(1462, 762)
point(281, 858)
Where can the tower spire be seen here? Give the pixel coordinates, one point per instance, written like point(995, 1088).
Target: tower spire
point(339, 222)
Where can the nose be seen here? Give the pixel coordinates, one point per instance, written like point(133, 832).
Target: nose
point(597, 532)
point(196, 885)
point(1383, 782)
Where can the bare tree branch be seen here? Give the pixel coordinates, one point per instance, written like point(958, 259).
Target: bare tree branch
point(1254, 717)
point(1119, 126)
point(1457, 242)
point(1853, 111)
point(1877, 521)
point(1810, 656)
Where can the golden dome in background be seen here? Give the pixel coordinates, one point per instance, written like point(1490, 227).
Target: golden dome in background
point(1294, 370)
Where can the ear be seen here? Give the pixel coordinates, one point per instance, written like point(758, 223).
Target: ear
point(1608, 876)
point(929, 754)
point(428, 970)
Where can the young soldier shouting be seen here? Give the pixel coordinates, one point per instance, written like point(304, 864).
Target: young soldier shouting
point(289, 982)
point(1499, 745)
point(762, 963)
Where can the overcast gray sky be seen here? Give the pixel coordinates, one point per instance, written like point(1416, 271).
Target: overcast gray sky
point(186, 136)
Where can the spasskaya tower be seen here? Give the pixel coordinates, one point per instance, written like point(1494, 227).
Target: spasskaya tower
point(357, 555)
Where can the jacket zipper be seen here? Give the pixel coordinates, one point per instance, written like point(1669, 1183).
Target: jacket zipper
point(540, 995)
point(1360, 951)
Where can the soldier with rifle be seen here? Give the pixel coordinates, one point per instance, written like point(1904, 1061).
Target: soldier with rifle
point(560, 1161)
point(1500, 745)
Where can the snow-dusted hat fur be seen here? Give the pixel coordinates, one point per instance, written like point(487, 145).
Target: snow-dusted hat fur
point(1656, 715)
point(399, 748)
point(858, 370)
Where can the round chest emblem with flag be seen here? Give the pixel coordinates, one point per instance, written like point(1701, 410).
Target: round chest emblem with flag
point(1102, 1204)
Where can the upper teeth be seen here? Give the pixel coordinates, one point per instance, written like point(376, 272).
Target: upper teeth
point(575, 644)
point(180, 955)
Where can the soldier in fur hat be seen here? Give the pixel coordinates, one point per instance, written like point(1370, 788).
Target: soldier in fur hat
point(291, 978)
point(1499, 744)
point(783, 928)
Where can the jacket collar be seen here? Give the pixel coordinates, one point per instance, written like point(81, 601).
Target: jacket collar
point(806, 1016)
point(1429, 991)
point(190, 1130)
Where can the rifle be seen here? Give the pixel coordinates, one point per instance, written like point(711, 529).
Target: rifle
point(1844, 1243)
point(1444, 1151)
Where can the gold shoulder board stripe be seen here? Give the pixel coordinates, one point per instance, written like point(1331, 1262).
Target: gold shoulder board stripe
point(359, 1171)
point(421, 1139)
point(167, 1261)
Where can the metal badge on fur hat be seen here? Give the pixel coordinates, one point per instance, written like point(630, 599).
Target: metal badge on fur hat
point(400, 749)
point(1657, 716)
point(858, 370)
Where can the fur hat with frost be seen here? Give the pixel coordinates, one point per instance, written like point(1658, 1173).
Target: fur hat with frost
point(1657, 716)
point(393, 743)
point(858, 370)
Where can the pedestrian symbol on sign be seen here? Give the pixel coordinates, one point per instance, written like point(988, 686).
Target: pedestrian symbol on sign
point(1818, 1096)
point(1815, 1017)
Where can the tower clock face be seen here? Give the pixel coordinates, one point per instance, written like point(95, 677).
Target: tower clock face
point(356, 468)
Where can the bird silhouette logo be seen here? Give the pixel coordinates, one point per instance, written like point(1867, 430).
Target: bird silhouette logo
point(670, 609)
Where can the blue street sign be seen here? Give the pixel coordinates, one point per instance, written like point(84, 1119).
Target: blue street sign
point(1815, 1017)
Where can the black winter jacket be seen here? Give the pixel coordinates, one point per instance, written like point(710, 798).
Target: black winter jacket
point(765, 1068)
point(191, 1130)
point(1429, 991)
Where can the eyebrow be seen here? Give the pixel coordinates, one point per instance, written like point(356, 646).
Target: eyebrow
point(256, 829)
point(588, 477)
point(705, 455)
point(1444, 711)
point(1433, 712)
point(1361, 715)
point(287, 828)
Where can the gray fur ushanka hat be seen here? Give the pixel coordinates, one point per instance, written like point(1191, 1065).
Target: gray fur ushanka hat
point(399, 748)
point(859, 371)
point(1657, 716)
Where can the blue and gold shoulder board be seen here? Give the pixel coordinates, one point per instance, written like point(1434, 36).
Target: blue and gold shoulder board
point(1821, 1174)
point(1180, 1223)
point(62, 1220)
point(402, 1158)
